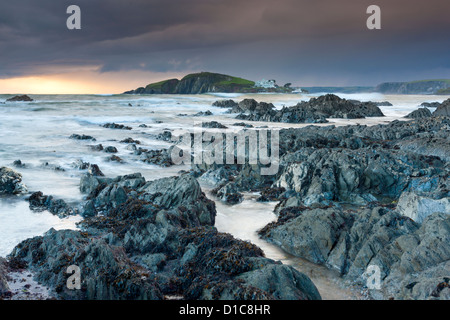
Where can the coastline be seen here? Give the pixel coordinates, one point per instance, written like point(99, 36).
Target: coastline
point(324, 280)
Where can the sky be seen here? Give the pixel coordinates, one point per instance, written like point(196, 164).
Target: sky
point(123, 45)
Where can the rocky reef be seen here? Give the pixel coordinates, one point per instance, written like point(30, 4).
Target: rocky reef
point(316, 110)
point(352, 197)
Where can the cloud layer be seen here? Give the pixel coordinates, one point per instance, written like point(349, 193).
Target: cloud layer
point(307, 42)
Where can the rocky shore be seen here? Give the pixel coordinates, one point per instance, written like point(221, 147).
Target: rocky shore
point(350, 198)
point(150, 240)
point(353, 197)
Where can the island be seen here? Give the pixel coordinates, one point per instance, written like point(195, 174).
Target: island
point(204, 82)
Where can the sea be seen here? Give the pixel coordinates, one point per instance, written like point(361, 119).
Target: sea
point(37, 133)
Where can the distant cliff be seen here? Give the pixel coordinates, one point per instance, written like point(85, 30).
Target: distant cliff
point(414, 87)
point(204, 82)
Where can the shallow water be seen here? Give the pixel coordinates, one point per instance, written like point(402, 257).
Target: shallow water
point(244, 220)
point(38, 133)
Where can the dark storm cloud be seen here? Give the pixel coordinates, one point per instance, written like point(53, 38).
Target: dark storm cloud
point(288, 39)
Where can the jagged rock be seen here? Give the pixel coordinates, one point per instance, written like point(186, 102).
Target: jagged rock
point(324, 175)
point(159, 157)
point(98, 147)
point(11, 182)
point(430, 104)
point(4, 288)
point(40, 202)
point(351, 242)
point(115, 158)
point(273, 278)
point(225, 104)
point(80, 164)
point(383, 104)
point(243, 124)
point(229, 194)
point(271, 194)
point(111, 149)
point(106, 271)
point(315, 110)
point(419, 207)
point(443, 109)
point(81, 137)
point(116, 126)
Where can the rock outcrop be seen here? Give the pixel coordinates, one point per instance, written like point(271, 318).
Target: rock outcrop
point(414, 87)
point(419, 114)
point(11, 182)
point(197, 83)
point(154, 240)
point(316, 110)
point(443, 109)
point(352, 242)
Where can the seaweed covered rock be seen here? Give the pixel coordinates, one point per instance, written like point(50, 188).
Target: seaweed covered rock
point(116, 126)
point(40, 202)
point(11, 182)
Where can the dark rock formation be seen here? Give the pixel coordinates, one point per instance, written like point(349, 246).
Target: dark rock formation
point(315, 110)
point(98, 147)
point(4, 288)
point(419, 114)
point(111, 149)
point(414, 87)
point(21, 98)
point(11, 182)
point(383, 104)
point(213, 125)
point(159, 157)
point(430, 104)
point(130, 140)
point(153, 240)
point(197, 83)
point(203, 114)
point(351, 242)
point(443, 109)
point(116, 126)
point(225, 103)
point(81, 137)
